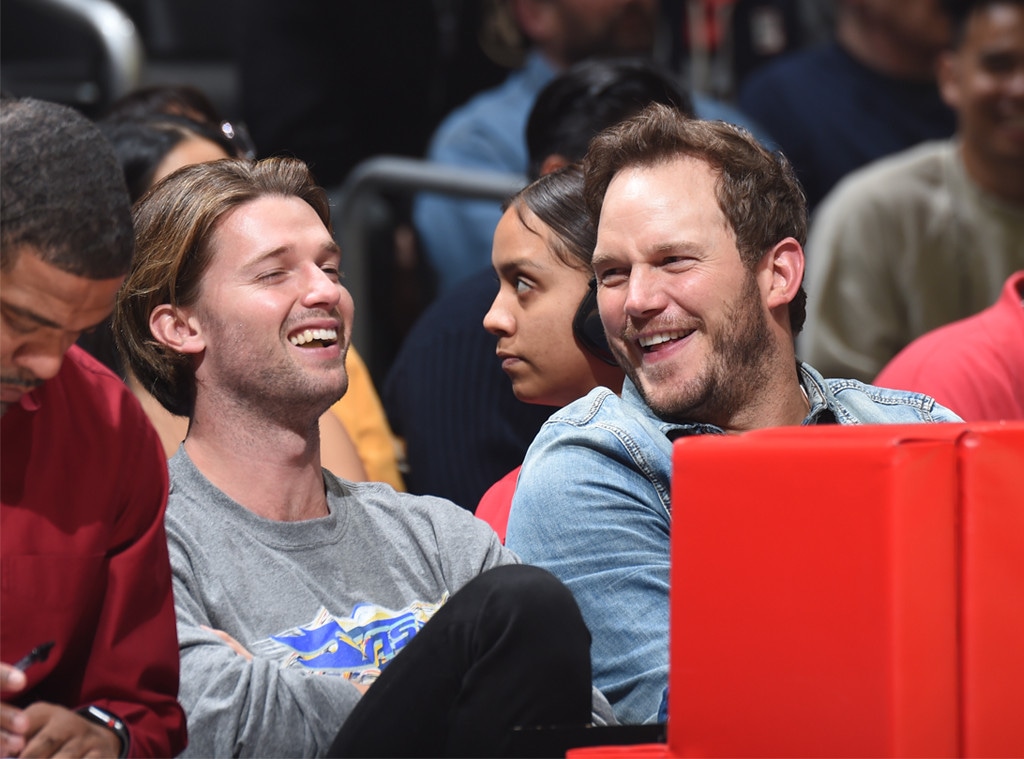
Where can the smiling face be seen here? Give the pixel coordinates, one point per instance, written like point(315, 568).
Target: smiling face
point(983, 80)
point(533, 312)
point(43, 310)
point(272, 321)
point(684, 316)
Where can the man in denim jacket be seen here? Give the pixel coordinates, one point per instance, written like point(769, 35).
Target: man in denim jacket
point(699, 264)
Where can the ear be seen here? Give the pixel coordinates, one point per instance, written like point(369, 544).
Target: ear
point(177, 329)
point(784, 267)
point(553, 162)
point(949, 83)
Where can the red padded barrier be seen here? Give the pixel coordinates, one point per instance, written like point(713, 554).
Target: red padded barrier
point(811, 615)
point(851, 591)
point(992, 629)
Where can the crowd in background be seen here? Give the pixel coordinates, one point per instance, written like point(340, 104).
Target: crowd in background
point(515, 345)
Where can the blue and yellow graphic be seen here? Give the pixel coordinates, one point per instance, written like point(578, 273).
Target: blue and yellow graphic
point(357, 647)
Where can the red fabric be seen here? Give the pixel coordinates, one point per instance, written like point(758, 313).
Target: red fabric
point(496, 503)
point(84, 554)
point(974, 366)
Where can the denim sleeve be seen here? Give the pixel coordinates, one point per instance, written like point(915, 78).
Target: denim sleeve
point(584, 510)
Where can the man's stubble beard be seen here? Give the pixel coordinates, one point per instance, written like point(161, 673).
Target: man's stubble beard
point(737, 368)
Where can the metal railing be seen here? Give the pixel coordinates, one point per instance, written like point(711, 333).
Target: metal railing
point(354, 216)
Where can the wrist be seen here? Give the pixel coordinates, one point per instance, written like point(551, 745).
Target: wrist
point(110, 721)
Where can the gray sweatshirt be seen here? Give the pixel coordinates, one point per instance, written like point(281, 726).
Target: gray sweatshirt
point(318, 603)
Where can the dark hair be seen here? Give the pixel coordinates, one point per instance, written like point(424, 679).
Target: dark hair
point(165, 99)
point(557, 200)
point(590, 96)
point(141, 143)
point(62, 191)
point(757, 190)
point(174, 223)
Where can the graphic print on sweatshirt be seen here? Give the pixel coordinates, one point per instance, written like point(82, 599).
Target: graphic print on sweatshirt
point(357, 647)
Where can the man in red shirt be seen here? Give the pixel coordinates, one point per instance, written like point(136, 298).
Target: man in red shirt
point(88, 648)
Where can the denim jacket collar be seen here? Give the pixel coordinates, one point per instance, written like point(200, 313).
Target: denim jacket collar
point(834, 401)
point(822, 401)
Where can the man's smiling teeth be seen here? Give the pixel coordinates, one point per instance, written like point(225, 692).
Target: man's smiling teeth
point(323, 335)
point(662, 337)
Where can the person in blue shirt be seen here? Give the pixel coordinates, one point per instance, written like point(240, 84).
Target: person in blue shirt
point(699, 266)
point(487, 132)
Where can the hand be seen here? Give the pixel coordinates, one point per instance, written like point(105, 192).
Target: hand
point(13, 722)
point(53, 729)
point(235, 645)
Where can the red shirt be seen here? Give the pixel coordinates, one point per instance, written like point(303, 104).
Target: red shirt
point(84, 555)
point(496, 503)
point(974, 366)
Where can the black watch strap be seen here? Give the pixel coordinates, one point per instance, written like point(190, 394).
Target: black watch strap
point(109, 721)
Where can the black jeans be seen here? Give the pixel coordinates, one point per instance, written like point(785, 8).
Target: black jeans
point(510, 649)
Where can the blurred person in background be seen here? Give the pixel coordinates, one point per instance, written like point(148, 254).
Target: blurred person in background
point(868, 92)
point(929, 235)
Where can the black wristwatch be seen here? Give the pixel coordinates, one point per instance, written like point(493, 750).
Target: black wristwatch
point(109, 721)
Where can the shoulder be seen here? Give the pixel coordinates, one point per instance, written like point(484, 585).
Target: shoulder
point(192, 498)
point(624, 415)
point(425, 518)
point(910, 176)
point(599, 442)
point(98, 416)
point(974, 365)
point(600, 406)
point(594, 421)
point(904, 194)
point(603, 418)
point(947, 351)
point(96, 390)
point(856, 402)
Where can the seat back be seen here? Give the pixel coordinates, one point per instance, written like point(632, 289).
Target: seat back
point(83, 53)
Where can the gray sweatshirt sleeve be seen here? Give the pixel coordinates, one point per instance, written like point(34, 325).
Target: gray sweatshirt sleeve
point(239, 707)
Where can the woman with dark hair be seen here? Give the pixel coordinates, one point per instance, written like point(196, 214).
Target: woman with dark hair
point(550, 340)
point(151, 147)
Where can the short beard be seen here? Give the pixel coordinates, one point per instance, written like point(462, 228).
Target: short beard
point(737, 370)
point(297, 405)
